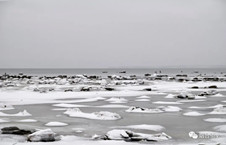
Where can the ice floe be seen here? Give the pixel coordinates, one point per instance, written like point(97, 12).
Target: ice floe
point(128, 135)
point(170, 96)
point(190, 101)
point(112, 106)
point(27, 120)
point(166, 102)
point(218, 95)
point(78, 130)
point(158, 109)
point(69, 105)
point(102, 115)
point(170, 108)
point(215, 120)
point(142, 100)
point(56, 124)
point(198, 107)
point(143, 97)
point(24, 113)
point(46, 135)
point(143, 127)
point(193, 113)
point(117, 100)
point(219, 110)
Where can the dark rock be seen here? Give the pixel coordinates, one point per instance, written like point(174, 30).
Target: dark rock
point(147, 75)
point(122, 72)
point(109, 89)
point(195, 87)
point(211, 79)
point(196, 80)
point(212, 87)
point(68, 90)
point(15, 130)
point(85, 89)
point(181, 75)
point(147, 89)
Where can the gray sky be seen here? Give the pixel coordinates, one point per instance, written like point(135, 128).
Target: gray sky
point(112, 33)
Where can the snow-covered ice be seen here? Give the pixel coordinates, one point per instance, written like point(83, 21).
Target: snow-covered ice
point(143, 127)
point(219, 110)
point(117, 100)
point(193, 113)
point(27, 120)
point(143, 110)
point(170, 108)
point(56, 124)
point(143, 97)
point(112, 106)
point(118, 134)
point(166, 102)
point(69, 105)
point(142, 100)
point(102, 115)
point(215, 120)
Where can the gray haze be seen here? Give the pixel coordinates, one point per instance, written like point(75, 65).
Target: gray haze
point(112, 33)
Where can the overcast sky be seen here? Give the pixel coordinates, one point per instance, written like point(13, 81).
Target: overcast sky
point(112, 33)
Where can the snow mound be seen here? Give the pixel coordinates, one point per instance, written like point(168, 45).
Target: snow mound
point(170, 108)
point(27, 120)
point(215, 120)
point(170, 96)
point(218, 95)
point(143, 97)
point(69, 105)
point(117, 100)
point(215, 106)
point(102, 115)
point(193, 113)
point(54, 123)
point(24, 113)
point(112, 106)
point(46, 135)
point(133, 136)
point(142, 100)
point(219, 110)
point(166, 102)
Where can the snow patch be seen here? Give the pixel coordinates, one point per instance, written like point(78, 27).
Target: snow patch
point(193, 113)
point(55, 123)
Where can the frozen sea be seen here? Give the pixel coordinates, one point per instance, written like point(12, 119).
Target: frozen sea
point(50, 106)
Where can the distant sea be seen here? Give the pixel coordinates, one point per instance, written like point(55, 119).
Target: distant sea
point(105, 71)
